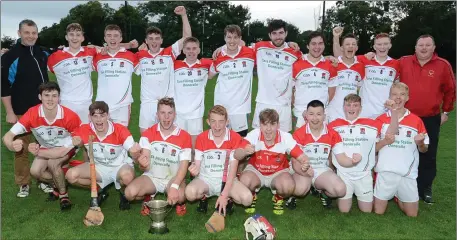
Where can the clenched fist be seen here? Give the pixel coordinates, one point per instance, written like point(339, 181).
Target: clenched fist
point(305, 166)
point(34, 148)
point(76, 141)
point(337, 31)
point(135, 150)
point(389, 138)
point(419, 138)
point(133, 43)
point(143, 46)
point(194, 169)
point(143, 160)
point(17, 145)
point(180, 10)
point(389, 104)
point(356, 158)
point(249, 149)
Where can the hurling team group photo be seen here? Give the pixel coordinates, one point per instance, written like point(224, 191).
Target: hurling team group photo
point(349, 126)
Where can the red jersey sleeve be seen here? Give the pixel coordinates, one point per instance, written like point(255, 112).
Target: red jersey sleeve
point(123, 133)
point(187, 141)
point(333, 71)
point(52, 62)
point(199, 143)
point(27, 118)
point(336, 138)
point(73, 122)
point(362, 59)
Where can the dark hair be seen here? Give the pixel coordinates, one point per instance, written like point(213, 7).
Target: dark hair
point(191, 39)
point(268, 115)
point(27, 22)
point(166, 101)
point(154, 30)
point(74, 27)
point(349, 35)
point(98, 107)
point(426, 36)
point(112, 27)
point(277, 24)
point(315, 34)
point(232, 29)
point(314, 104)
point(48, 86)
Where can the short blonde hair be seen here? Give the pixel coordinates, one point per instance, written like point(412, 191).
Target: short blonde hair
point(219, 110)
point(400, 85)
point(269, 115)
point(352, 98)
point(167, 101)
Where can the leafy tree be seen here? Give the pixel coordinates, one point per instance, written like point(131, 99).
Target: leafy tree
point(7, 41)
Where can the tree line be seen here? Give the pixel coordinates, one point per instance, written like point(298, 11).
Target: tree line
point(403, 20)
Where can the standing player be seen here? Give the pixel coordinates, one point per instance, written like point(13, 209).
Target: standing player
point(235, 65)
point(156, 69)
point(268, 166)
point(398, 162)
point(111, 146)
point(311, 74)
point(165, 155)
point(115, 76)
point(191, 76)
point(318, 142)
point(350, 73)
point(213, 159)
point(51, 125)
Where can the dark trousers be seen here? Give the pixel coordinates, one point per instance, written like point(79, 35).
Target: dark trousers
point(427, 161)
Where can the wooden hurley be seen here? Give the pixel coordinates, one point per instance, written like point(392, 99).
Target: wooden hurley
point(94, 216)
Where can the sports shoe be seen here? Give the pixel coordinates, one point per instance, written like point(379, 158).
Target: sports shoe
point(53, 196)
point(45, 187)
point(291, 203)
point(428, 197)
point(251, 209)
point(102, 196)
point(326, 201)
point(23, 191)
point(65, 204)
point(314, 191)
point(144, 209)
point(229, 208)
point(181, 209)
point(124, 204)
point(278, 204)
point(203, 205)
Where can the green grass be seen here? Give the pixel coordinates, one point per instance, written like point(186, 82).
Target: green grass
point(33, 217)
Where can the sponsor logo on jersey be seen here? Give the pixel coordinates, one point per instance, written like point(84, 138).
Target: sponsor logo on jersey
point(84, 60)
point(286, 58)
point(323, 75)
point(362, 130)
point(160, 61)
point(173, 152)
point(391, 73)
point(60, 132)
point(244, 63)
point(75, 61)
point(408, 133)
point(325, 150)
point(112, 151)
point(121, 64)
point(199, 72)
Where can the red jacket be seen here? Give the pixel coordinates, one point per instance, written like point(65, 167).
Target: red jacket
point(429, 86)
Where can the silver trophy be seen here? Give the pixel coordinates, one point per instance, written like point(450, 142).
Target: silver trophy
point(158, 210)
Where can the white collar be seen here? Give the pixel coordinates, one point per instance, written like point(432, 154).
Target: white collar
point(120, 50)
point(340, 59)
point(324, 131)
point(407, 112)
point(226, 137)
point(109, 132)
point(285, 45)
point(190, 65)
point(59, 114)
point(224, 51)
point(382, 63)
point(67, 49)
point(305, 57)
point(353, 121)
point(174, 133)
point(154, 55)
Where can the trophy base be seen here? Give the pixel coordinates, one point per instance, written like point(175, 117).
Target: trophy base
point(162, 230)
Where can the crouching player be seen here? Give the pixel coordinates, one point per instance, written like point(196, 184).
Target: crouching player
point(111, 146)
point(165, 155)
point(398, 162)
point(318, 142)
point(215, 166)
point(51, 125)
point(268, 165)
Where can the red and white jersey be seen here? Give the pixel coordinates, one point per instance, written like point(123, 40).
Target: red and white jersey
point(114, 85)
point(318, 148)
point(234, 83)
point(359, 136)
point(190, 82)
point(48, 134)
point(274, 70)
point(311, 82)
point(157, 73)
point(110, 150)
point(402, 156)
point(166, 151)
point(213, 156)
point(73, 73)
point(271, 159)
point(348, 80)
point(379, 77)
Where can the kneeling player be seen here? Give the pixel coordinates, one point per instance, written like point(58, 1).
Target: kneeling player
point(111, 143)
point(318, 142)
point(51, 125)
point(398, 162)
point(268, 165)
point(215, 166)
point(165, 155)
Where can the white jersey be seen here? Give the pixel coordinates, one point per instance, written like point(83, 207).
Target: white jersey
point(190, 83)
point(114, 84)
point(274, 70)
point(73, 73)
point(157, 73)
point(234, 83)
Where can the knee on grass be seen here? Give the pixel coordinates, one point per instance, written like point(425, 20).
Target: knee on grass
point(193, 193)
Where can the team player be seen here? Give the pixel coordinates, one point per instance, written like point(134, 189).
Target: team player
point(268, 164)
point(398, 162)
point(115, 70)
point(214, 159)
point(380, 73)
point(191, 76)
point(350, 73)
point(51, 125)
point(235, 65)
point(165, 155)
point(311, 75)
point(111, 144)
point(318, 142)
point(156, 69)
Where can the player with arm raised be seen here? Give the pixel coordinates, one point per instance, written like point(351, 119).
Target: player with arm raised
point(165, 155)
point(52, 125)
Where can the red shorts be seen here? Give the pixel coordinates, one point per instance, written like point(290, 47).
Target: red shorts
point(73, 163)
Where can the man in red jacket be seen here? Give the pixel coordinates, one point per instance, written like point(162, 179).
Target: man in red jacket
point(426, 74)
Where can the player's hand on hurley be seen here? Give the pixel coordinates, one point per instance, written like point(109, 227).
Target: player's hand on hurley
point(294, 46)
point(34, 148)
point(337, 31)
point(221, 204)
point(17, 145)
point(419, 138)
point(143, 46)
point(370, 55)
point(216, 52)
point(194, 169)
point(249, 149)
point(11, 118)
point(143, 160)
point(389, 138)
point(180, 10)
point(356, 158)
point(135, 150)
point(172, 196)
point(76, 141)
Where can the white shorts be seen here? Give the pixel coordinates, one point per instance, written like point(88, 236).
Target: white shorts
point(362, 188)
point(265, 181)
point(109, 174)
point(81, 109)
point(318, 172)
point(160, 183)
point(285, 116)
point(121, 115)
point(238, 122)
point(192, 126)
point(214, 186)
point(148, 114)
point(390, 184)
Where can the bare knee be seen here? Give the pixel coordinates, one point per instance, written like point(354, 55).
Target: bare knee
point(72, 176)
point(340, 189)
point(36, 172)
point(131, 192)
point(126, 177)
point(191, 193)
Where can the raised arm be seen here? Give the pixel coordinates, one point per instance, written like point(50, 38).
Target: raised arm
point(186, 29)
point(337, 31)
